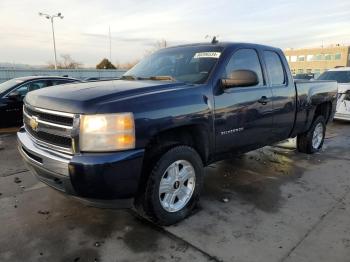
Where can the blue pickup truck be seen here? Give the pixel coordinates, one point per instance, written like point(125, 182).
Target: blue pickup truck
point(145, 138)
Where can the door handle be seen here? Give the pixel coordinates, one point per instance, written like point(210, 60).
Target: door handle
point(263, 100)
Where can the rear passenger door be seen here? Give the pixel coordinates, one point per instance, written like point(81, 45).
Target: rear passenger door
point(283, 91)
point(243, 115)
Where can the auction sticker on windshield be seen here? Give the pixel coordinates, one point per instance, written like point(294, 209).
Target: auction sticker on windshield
point(207, 55)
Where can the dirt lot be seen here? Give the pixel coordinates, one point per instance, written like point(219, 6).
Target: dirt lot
point(272, 204)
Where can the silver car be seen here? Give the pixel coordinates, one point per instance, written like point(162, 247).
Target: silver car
point(342, 76)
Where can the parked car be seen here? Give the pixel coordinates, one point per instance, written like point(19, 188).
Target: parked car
point(342, 76)
point(307, 76)
point(13, 91)
point(145, 138)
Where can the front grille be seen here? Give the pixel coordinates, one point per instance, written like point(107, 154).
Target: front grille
point(51, 118)
point(52, 139)
point(48, 128)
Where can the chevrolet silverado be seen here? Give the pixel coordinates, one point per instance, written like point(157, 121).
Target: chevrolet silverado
point(144, 139)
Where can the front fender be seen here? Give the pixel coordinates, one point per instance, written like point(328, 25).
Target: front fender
point(180, 110)
point(166, 109)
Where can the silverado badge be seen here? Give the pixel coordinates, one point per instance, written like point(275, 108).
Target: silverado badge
point(34, 123)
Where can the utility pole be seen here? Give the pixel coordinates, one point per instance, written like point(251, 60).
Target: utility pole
point(110, 45)
point(51, 18)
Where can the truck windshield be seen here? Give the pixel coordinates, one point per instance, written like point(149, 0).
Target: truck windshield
point(339, 76)
point(190, 64)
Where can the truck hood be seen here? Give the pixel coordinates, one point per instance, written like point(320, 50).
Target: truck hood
point(87, 97)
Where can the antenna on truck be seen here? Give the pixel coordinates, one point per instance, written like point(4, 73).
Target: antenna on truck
point(214, 40)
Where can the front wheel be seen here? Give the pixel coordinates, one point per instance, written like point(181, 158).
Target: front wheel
point(173, 186)
point(312, 140)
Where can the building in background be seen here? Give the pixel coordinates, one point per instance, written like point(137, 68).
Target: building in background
point(317, 60)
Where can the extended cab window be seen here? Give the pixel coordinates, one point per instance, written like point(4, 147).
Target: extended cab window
point(245, 59)
point(274, 68)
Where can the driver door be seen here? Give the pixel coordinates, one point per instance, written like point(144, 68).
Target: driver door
point(243, 115)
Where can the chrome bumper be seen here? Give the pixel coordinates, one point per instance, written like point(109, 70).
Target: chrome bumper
point(41, 157)
point(49, 167)
point(340, 116)
point(98, 179)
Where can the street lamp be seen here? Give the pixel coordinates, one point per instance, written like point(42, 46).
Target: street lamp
point(51, 17)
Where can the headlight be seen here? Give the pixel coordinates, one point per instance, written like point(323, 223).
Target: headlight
point(107, 132)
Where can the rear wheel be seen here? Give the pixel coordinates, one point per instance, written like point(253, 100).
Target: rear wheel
point(174, 185)
point(312, 140)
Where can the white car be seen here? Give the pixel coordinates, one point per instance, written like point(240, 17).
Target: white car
point(342, 76)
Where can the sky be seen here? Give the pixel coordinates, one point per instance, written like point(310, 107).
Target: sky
point(136, 25)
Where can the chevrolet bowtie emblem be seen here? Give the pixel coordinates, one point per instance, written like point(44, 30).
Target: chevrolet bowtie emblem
point(34, 123)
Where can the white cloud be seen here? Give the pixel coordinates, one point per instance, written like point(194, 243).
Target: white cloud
point(136, 24)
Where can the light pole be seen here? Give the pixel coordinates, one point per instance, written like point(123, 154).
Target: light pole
point(51, 17)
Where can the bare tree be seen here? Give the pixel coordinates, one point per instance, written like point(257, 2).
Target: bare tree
point(156, 46)
point(50, 65)
point(69, 63)
point(160, 44)
point(126, 66)
point(66, 62)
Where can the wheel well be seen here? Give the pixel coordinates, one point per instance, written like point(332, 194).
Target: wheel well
point(324, 109)
point(196, 136)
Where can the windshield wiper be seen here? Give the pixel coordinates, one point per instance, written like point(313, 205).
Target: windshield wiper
point(158, 78)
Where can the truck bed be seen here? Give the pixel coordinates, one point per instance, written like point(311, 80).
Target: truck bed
point(309, 94)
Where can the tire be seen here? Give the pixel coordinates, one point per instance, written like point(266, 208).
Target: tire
point(157, 205)
point(305, 140)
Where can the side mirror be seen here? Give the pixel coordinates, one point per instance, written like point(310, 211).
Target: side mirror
point(240, 78)
point(14, 95)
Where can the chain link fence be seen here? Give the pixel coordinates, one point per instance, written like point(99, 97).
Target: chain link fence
point(7, 74)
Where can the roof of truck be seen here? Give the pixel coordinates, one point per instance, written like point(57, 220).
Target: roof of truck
point(225, 44)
